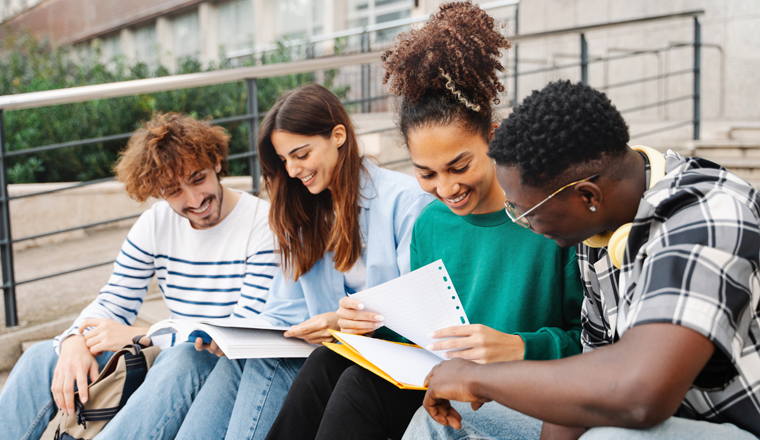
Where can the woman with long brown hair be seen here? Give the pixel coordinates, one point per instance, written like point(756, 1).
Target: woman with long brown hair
point(342, 225)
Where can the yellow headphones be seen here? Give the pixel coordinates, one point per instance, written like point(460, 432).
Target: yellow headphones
point(618, 240)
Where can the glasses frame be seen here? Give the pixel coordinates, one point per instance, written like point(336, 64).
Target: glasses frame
point(522, 220)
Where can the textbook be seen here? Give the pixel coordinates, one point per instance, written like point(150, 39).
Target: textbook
point(413, 305)
point(238, 338)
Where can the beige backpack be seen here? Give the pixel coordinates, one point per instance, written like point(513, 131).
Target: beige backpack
point(121, 376)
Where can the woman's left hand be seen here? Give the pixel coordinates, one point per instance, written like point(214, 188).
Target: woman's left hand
point(314, 330)
point(479, 343)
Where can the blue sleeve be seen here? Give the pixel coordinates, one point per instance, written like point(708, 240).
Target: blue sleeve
point(403, 224)
point(286, 304)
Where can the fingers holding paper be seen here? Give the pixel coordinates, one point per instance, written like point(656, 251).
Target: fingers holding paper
point(351, 318)
point(315, 330)
point(211, 347)
point(450, 380)
point(478, 343)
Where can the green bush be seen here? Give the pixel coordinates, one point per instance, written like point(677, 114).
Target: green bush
point(29, 64)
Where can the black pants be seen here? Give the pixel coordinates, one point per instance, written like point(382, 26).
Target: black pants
point(333, 398)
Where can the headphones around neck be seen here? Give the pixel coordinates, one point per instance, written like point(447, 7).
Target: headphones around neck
point(618, 240)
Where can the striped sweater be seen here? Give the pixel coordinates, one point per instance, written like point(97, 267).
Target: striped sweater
point(212, 273)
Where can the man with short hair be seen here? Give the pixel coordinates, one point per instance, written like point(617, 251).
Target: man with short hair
point(212, 252)
point(669, 252)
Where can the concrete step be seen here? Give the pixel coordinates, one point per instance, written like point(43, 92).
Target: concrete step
point(725, 149)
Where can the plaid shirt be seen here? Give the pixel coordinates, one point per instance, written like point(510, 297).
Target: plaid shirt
point(692, 259)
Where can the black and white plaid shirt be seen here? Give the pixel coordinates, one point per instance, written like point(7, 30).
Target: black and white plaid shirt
point(693, 259)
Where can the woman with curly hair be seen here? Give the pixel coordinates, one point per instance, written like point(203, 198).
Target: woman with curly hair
point(342, 224)
point(521, 289)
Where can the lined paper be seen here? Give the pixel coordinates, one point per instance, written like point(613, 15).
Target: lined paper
point(416, 304)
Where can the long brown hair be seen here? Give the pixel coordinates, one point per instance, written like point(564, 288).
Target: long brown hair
point(307, 225)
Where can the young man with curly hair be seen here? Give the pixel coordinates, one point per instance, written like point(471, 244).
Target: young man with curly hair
point(211, 251)
point(670, 315)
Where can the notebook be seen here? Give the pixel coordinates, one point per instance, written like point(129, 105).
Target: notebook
point(413, 305)
point(238, 338)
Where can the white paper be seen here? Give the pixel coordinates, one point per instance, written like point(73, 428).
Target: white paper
point(239, 338)
point(409, 365)
point(417, 304)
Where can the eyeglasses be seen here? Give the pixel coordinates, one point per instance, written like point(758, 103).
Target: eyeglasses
point(522, 220)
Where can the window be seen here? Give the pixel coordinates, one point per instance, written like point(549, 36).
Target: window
point(236, 25)
point(298, 18)
point(186, 30)
point(146, 46)
point(110, 47)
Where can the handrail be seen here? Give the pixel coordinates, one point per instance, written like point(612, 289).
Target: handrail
point(356, 31)
point(174, 82)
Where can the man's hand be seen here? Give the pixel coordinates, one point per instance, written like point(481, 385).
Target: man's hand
point(450, 380)
point(479, 343)
point(74, 364)
point(109, 335)
point(314, 330)
point(211, 347)
point(352, 320)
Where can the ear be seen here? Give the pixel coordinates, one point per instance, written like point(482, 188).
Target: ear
point(589, 194)
point(339, 135)
point(218, 168)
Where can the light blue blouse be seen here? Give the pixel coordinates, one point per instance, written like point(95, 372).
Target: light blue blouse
point(389, 204)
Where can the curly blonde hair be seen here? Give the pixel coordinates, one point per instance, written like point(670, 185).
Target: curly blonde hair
point(165, 149)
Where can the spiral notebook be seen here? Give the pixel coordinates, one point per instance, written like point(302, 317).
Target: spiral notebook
point(413, 305)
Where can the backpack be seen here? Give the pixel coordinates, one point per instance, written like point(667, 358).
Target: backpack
point(121, 376)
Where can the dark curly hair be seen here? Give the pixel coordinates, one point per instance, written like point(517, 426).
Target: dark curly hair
point(446, 70)
point(562, 127)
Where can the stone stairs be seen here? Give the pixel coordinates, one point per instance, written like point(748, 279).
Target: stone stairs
point(741, 157)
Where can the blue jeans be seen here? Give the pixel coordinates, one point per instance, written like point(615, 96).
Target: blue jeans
point(491, 421)
point(26, 403)
point(241, 399)
point(156, 410)
point(674, 428)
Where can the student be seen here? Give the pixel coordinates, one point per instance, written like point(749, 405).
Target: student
point(671, 311)
point(342, 224)
point(202, 237)
point(446, 120)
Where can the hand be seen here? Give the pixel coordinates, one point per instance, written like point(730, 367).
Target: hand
point(211, 347)
point(74, 364)
point(314, 330)
point(352, 320)
point(551, 431)
point(479, 343)
point(109, 335)
point(448, 381)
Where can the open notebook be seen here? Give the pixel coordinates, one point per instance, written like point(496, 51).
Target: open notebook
point(238, 338)
point(413, 305)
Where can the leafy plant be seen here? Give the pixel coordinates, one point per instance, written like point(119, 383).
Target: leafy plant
point(30, 64)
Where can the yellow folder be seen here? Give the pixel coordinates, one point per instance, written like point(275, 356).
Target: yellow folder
point(352, 354)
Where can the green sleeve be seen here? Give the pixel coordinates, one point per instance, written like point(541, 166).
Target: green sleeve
point(553, 342)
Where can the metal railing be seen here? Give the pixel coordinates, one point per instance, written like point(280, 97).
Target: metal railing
point(253, 116)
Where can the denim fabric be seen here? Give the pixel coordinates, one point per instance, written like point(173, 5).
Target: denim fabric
point(26, 403)
point(491, 422)
point(156, 410)
point(674, 428)
point(241, 399)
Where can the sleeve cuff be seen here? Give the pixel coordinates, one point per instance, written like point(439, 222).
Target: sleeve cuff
point(538, 346)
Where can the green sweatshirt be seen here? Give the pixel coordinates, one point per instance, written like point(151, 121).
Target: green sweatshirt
point(507, 277)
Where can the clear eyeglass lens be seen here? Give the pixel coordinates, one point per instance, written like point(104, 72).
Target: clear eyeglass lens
point(513, 214)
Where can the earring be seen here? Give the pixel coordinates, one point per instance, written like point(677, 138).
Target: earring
point(592, 208)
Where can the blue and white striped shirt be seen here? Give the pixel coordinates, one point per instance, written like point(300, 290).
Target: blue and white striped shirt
point(211, 273)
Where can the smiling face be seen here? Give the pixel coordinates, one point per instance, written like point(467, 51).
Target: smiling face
point(565, 218)
point(310, 159)
point(451, 163)
point(198, 198)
